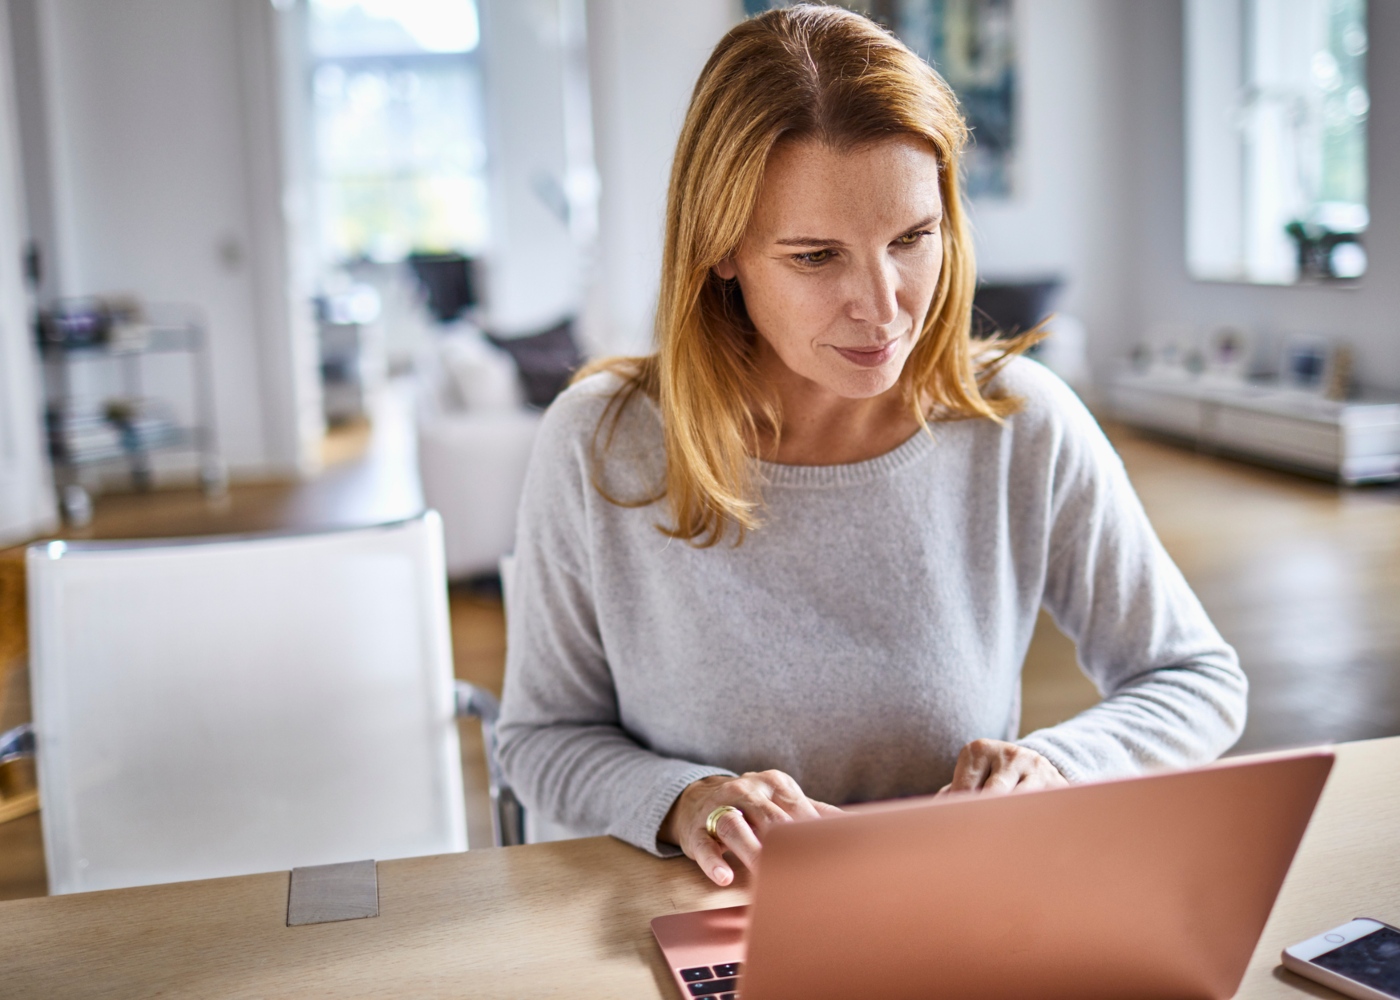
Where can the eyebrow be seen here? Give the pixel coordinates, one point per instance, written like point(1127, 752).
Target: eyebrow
point(820, 241)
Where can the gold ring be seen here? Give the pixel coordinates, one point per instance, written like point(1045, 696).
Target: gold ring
point(714, 819)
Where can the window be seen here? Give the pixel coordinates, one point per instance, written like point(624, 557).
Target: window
point(1276, 106)
point(399, 128)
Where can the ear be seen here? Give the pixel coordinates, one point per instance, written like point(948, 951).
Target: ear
point(726, 270)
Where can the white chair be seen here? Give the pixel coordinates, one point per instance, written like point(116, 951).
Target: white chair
point(210, 707)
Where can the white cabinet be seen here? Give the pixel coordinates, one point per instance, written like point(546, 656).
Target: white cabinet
point(1354, 441)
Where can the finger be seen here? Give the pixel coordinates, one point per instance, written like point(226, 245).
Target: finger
point(788, 795)
point(1041, 777)
point(709, 855)
point(1003, 777)
point(762, 814)
point(826, 808)
point(972, 769)
point(796, 806)
point(737, 836)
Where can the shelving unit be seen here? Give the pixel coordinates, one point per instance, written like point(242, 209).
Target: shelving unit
point(87, 435)
point(1352, 441)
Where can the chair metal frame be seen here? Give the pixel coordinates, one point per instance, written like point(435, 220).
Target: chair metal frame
point(17, 743)
point(507, 812)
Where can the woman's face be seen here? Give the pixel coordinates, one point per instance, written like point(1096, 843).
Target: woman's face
point(840, 261)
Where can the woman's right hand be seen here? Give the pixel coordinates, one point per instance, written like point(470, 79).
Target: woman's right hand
point(766, 799)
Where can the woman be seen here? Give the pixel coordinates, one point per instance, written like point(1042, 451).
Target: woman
point(794, 559)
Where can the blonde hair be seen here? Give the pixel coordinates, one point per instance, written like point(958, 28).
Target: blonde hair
point(802, 72)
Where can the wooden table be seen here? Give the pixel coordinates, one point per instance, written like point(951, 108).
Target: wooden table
point(561, 920)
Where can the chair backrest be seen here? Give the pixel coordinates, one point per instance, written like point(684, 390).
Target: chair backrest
point(220, 706)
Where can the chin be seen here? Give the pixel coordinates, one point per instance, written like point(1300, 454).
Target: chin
point(865, 384)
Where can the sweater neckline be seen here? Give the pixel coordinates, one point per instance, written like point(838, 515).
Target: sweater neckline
point(914, 448)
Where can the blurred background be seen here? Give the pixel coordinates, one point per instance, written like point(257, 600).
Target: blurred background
point(297, 264)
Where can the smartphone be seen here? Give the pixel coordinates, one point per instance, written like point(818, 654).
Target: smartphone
point(1360, 959)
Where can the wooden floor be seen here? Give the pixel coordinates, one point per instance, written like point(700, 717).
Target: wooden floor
point(1302, 576)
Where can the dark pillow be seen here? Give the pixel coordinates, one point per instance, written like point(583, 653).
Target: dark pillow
point(546, 360)
point(1006, 308)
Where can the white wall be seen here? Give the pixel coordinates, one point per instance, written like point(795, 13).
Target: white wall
point(1070, 210)
point(166, 173)
point(583, 95)
point(26, 494)
point(283, 261)
point(1215, 73)
point(535, 266)
point(644, 58)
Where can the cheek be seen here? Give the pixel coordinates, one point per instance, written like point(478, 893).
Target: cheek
point(920, 279)
point(930, 267)
point(788, 308)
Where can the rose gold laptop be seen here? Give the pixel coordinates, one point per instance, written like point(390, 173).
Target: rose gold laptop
point(1153, 887)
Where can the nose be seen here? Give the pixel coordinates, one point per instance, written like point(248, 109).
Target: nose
point(873, 293)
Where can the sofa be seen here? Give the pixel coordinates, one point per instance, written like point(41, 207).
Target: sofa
point(475, 432)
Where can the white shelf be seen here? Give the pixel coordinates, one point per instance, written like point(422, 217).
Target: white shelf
point(1354, 441)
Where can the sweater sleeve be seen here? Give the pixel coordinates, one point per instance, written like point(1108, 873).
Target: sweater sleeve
point(560, 737)
point(1174, 694)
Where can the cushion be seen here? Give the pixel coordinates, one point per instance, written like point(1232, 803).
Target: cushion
point(484, 377)
point(1006, 308)
point(546, 360)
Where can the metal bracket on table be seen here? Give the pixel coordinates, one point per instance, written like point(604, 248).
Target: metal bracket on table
point(320, 894)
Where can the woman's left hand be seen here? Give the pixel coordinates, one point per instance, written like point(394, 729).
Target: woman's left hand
point(997, 767)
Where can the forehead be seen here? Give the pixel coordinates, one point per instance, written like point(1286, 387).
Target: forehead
point(813, 189)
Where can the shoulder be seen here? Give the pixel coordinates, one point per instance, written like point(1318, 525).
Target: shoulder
point(582, 404)
point(1052, 430)
point(1045, 398)
point(598, 418)
point(1050, 412)
point(580, 410)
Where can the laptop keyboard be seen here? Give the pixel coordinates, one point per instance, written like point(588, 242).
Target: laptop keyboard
point(719, 982)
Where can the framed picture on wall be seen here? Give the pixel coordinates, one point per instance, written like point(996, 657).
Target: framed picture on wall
point(972, 44)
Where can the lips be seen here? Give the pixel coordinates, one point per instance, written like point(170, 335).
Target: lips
point(872, 358)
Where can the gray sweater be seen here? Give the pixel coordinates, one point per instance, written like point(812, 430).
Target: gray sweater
point(872, 626)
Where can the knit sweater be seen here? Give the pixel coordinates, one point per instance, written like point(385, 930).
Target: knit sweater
point(875, 623)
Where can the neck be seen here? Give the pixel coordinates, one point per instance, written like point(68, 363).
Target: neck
point(822, 428)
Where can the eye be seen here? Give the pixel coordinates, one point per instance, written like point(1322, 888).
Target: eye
point(910, 239)
point(814, 256)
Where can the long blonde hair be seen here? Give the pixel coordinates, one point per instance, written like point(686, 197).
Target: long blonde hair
point(802, 72)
